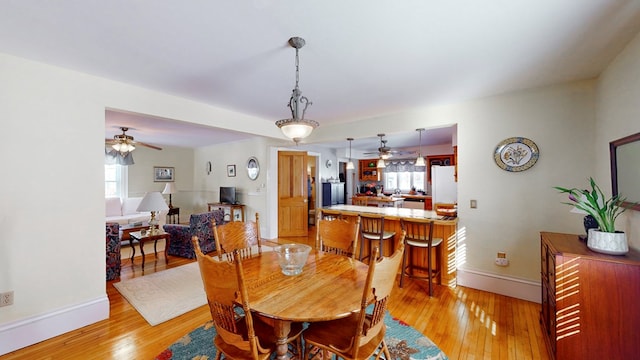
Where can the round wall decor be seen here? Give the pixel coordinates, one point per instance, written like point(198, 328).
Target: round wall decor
point(253, 168)
point(329, 163)
point(516, 154)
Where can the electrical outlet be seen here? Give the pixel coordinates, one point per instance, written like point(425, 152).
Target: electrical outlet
point(6, 298)
point(501, 259)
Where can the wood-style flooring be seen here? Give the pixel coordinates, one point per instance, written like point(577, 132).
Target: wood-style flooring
point(463, 322)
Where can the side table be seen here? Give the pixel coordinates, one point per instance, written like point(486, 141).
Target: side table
point(148, 236)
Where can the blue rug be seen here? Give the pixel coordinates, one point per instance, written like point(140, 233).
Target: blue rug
point(403, 341)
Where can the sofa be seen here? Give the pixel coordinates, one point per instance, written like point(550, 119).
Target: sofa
point(112, 240)
point(200, 225)
point(123, 211)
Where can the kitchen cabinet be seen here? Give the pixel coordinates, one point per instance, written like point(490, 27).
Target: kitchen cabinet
point(368, 170)
point(589, 300)
point(442, 160)
point(332, 193)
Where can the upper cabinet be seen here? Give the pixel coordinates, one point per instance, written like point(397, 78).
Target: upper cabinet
point(368, 170)
point(442, 160)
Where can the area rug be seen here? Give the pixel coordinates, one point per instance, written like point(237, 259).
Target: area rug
point(161, 296)
point(403, 341)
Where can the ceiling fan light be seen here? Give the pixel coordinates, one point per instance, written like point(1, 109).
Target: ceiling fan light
point(381, 164)
point(117, 146)
point(420, 161)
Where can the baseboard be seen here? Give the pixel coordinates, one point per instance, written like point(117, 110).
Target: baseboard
point(503, 285)
point(24, 332)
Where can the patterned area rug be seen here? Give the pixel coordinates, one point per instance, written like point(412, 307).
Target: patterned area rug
point(404, 343)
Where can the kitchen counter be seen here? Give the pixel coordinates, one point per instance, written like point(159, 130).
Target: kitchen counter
point(382, 201)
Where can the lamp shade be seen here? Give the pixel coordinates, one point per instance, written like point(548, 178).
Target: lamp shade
point(152, 201)
point(170, 188)
point(381, 164)
point(420, 161)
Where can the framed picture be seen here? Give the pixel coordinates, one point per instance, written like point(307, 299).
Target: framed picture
point(163, 174)
point(231, 170)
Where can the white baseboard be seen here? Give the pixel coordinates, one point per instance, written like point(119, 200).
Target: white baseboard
point(503, 285)
point(24, 332)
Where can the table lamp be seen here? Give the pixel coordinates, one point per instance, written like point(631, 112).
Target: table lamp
point(152, 202)
point(170, 188)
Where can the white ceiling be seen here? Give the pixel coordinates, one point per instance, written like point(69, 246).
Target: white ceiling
point(362, 58)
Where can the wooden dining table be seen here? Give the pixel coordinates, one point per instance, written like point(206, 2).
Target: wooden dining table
point(329, 287)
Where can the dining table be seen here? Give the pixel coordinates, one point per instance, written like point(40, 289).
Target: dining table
point(329, 287)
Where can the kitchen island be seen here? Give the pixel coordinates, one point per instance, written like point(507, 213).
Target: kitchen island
point(445, 227)
point(380, 201)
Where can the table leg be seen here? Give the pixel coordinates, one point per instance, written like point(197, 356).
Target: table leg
point(133, 249)
point(142, 251)
point(282, 329)
point(167, 241)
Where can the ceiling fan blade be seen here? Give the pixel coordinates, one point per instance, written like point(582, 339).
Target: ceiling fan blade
point(148, 145)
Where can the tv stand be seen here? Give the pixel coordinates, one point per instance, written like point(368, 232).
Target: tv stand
point(232, 212)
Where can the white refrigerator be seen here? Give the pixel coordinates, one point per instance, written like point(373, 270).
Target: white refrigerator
point(444, 188)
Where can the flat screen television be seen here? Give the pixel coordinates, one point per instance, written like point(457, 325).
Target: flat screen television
point(227, 195)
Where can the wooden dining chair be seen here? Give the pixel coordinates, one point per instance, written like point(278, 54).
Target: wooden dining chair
point(360, 335)
point(338, 236)
point(237, 235)
point(372, 229)
point(360, 201)
point(419, 234)
point(238, 334)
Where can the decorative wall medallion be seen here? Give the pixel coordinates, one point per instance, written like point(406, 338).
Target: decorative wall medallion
point(253, 168)
point(329, 163)
point(516, 154)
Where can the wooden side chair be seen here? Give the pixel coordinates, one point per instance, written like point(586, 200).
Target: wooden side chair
point(419, 234)
point(238, 334)
point(338, 236)
point(360, 335)
point(372, 229)
point(236, 235)
point(360, 201)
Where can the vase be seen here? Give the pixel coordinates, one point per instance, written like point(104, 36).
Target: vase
point(607, 242)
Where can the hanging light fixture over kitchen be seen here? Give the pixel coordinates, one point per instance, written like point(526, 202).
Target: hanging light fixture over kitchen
point(420, 160)
point(350, 163)
point(297, 127)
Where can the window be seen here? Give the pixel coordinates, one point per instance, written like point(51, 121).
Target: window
point(115, 181)
point(403, 175)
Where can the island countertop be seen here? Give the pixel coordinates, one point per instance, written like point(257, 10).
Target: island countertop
point(394, 213)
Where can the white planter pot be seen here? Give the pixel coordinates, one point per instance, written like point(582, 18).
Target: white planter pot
point(608, 243)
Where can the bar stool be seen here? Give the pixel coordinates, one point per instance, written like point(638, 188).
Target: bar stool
point(419, 234)
point(372, 229)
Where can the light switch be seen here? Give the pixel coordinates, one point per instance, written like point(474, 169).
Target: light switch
point(473, 204)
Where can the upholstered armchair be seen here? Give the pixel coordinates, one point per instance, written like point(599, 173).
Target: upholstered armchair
point(200, 225)
point(112, 240)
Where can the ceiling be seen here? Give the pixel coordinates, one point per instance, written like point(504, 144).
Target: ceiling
point(362, 58)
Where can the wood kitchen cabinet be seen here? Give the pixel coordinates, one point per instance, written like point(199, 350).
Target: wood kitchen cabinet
point(442, 160)
point(368, 170)
point(590, 300)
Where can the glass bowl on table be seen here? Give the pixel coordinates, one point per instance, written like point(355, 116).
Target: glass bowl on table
point(292, 257)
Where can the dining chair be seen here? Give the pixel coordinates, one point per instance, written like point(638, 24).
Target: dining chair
point(338, 236)
point(372, 229)
point(360, 201)
point(361, 334)
point(237, 235)
point(419, 234)
point(238, 334)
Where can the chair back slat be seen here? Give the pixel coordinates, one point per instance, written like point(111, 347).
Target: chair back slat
point(418, 230)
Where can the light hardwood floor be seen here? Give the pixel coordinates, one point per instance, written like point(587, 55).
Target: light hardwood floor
point(463, 322)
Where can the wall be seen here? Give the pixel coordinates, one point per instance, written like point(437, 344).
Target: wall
point(618, 115)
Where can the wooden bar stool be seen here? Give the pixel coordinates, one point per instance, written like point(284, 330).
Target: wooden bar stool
point(420, 235)
point(372, 229)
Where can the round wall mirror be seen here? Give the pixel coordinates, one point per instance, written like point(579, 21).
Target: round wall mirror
point(253, 168)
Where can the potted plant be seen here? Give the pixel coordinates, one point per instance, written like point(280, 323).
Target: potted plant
point(605, 239)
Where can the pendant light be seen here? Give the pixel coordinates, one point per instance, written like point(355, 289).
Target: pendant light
point(297, 127)
point(420, 160)
point(381, 164)
point(350, 163)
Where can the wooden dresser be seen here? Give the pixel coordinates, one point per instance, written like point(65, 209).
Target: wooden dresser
point(590, 301)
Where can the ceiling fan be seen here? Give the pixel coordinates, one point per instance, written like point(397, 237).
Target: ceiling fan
point(385, 152)
point(125, 143)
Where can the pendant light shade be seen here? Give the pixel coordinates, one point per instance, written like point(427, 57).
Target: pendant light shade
point(420, 160)
point(350, 163)
point(381, 164)
point(297, 127)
